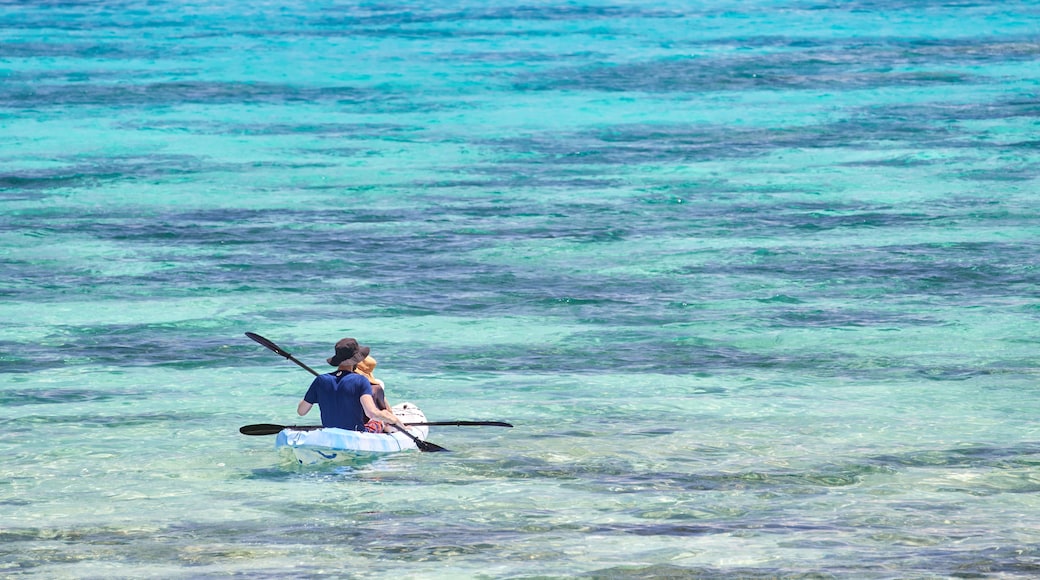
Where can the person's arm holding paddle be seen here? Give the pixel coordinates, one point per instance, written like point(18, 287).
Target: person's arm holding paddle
point(382, 415)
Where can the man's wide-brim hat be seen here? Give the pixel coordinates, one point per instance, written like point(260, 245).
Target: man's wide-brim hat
point(348, 350)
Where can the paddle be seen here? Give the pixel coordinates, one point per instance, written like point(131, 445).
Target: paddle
point(271, 429)
point(272, 346)
point(422, 445)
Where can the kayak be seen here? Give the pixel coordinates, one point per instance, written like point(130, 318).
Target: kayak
point(331, 444)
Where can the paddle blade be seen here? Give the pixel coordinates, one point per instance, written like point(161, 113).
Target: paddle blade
point(422, 445)
point(260, 429)
point(277, 349)
point(271, 429)
point(267, 344)
point(427, 446)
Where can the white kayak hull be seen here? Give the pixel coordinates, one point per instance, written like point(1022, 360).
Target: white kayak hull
point(333, 445)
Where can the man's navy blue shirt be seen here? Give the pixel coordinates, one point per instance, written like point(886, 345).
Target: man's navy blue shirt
point(339, 399)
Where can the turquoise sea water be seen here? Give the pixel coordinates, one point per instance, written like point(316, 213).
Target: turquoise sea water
point(757, 283)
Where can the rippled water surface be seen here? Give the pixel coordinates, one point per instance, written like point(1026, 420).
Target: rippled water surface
point(756, 283)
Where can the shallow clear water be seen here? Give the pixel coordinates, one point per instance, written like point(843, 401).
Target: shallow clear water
point(757, 283)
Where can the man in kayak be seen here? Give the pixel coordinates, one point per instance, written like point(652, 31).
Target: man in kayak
point(345, 397)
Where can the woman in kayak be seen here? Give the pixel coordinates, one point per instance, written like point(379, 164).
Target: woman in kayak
point(365, 368)
point(344, 397)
